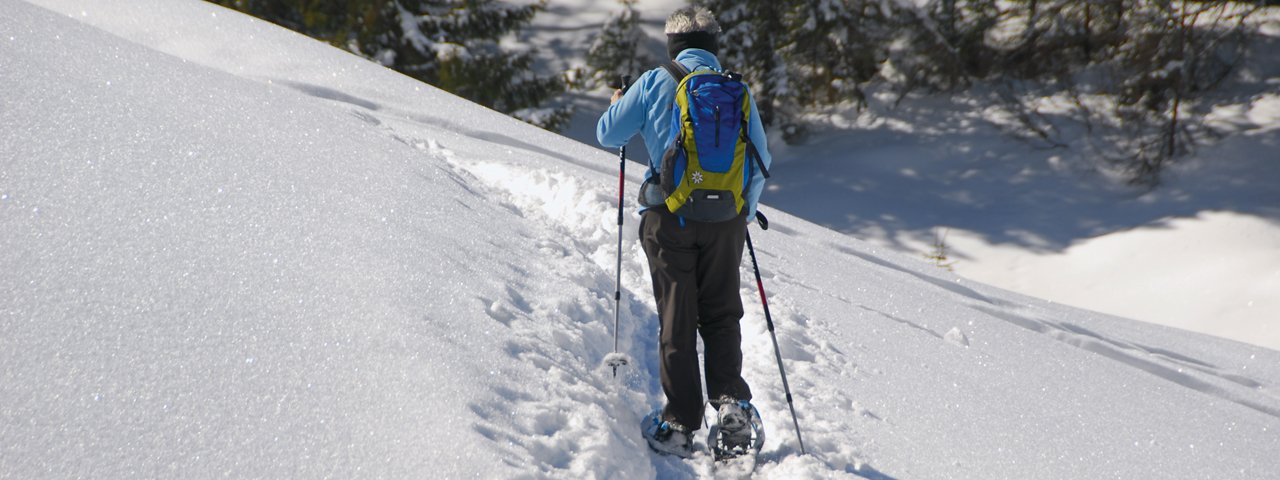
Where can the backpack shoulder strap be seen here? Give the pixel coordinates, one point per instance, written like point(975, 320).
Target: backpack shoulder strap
point(676, 70)
point(751, 147)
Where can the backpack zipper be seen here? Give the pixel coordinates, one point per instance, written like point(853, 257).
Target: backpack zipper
point(717, 126)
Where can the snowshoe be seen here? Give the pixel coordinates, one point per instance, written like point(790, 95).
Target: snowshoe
point(739, 431)
point(667, 438)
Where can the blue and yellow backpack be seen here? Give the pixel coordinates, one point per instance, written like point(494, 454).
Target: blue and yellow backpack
point(709, 164)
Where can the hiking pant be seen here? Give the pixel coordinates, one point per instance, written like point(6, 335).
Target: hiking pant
point(695, 281)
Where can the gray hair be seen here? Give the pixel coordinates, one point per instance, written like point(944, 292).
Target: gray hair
point(692, 19)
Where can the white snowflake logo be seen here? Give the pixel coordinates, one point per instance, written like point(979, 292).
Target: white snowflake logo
point(697, 178)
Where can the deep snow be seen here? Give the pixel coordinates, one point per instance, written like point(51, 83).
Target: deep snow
point(232, 251)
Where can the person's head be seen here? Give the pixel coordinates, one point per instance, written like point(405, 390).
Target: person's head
point(692, 27)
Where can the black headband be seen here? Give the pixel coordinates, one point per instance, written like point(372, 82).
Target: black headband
point(678, 42)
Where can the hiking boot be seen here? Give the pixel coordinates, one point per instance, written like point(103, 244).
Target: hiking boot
point(668, 438)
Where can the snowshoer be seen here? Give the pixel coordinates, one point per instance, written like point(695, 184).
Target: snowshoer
point(693, 244)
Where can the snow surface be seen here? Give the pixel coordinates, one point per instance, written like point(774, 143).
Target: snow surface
point(1217, 272)
point(1197, 253)
point(228, 250)
point(1022, 216)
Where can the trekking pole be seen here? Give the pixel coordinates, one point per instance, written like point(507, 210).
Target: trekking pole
point(617, 359)
point(764, 225)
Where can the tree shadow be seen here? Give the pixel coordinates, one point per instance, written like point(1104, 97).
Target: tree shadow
point(934, 162)
point(907, 168)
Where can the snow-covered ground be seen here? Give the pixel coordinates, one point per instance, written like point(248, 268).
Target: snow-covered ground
point(228, 250)
point(1199, 253)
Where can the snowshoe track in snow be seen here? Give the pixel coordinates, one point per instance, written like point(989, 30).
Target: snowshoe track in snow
point(585, 215)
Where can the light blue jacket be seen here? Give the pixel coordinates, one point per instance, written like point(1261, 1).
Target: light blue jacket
point(646, 109)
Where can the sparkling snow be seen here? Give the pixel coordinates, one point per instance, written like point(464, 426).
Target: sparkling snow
point(227, 250)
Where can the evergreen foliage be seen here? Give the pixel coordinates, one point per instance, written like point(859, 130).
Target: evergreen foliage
point(950, 40)
point(799, 55)
point(1137, 67)
point(616, 51)
point(829, 49)
point(750, 45)
point(1141, 68)
point(1146, 64)
point(452, 44)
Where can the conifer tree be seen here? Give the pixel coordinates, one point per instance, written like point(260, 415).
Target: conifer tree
point(452, 44)
point(948, 40)
point(753, 33)
point(833, 46)
point(617, 50)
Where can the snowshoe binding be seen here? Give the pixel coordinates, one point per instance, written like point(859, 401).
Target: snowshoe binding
point(667, 438)
point(739, 431)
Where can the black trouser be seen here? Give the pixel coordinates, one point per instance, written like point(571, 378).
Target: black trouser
point(695, 282)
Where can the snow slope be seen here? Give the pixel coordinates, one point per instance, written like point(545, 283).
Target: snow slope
point(1216, 272)
point(1198, 253)
point(228, 250)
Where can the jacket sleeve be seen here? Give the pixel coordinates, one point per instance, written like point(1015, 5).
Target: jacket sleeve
point(761, 141)
point(623, 119)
